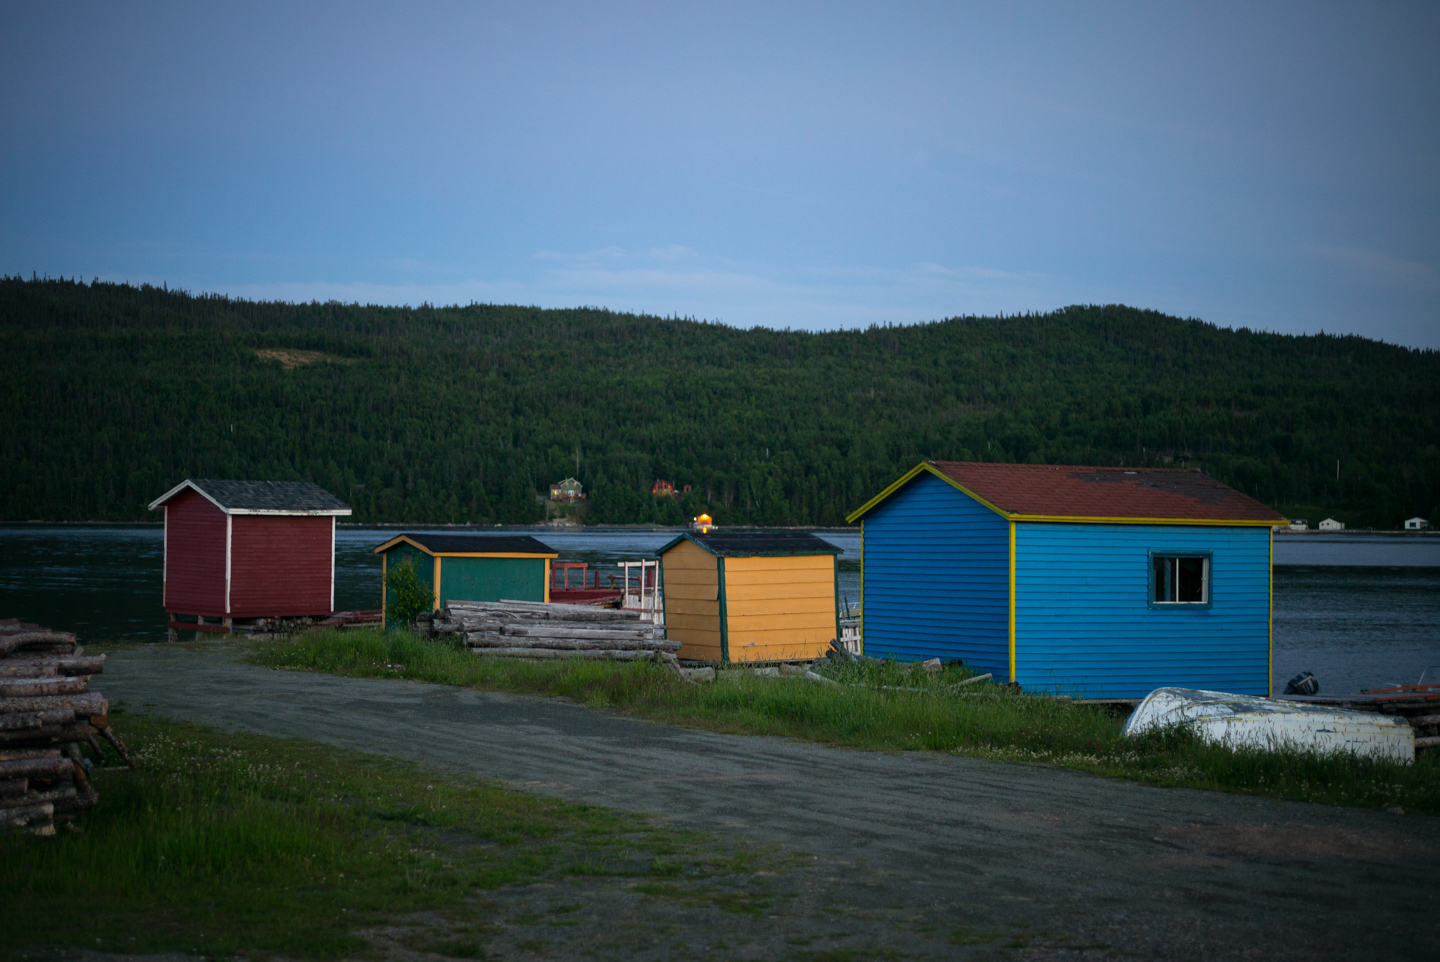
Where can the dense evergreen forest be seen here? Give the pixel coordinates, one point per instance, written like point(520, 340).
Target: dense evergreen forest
point(115, 393)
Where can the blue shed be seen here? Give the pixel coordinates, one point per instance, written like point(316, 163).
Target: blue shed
point(1092, 582)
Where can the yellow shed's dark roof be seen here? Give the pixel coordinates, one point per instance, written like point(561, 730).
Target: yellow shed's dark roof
point(750, 544)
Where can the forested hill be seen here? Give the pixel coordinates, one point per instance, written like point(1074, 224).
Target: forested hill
point(114, 393)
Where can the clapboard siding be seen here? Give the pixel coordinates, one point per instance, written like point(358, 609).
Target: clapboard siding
point(779, 608)
point(492, 579)
point(1083, 624)
point(692, 614)
point(194, 556)
point(937, 578)
point(280, 566)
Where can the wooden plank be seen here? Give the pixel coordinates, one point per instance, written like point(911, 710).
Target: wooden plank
point(774, 588)
point(687, 554)
point(695, 651)
point(196, 626)
point(685, 606)
point(692, 592)
point(751, 607)
point(20, 687)
point(798, 650)
point(771, 577)
point(820, 621)
point(689, 639)
point(90, 703)
point(689, 576)
point(817, 562)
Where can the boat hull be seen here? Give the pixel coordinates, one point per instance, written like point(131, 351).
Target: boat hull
point(1244, 721)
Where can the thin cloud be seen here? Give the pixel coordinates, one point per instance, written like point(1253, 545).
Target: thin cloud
point(1382, 267)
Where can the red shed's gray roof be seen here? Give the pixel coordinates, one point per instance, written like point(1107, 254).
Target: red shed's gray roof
point(261, 497)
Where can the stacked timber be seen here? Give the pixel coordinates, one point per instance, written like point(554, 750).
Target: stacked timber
point(46, 711)
point(528, 629)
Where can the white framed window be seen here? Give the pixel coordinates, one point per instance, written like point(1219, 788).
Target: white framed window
point(1179, 579)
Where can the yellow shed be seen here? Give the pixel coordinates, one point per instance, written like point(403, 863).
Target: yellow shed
point(733, 596)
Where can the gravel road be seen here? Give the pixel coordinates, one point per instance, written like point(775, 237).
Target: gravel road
point(1097, 866)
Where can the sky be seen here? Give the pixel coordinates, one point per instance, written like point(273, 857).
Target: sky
point(811, 166)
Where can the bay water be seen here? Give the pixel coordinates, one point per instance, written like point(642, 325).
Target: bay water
point(1358, 610)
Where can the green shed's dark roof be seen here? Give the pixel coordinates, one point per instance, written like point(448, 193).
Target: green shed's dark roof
point(471, 544)
point(748, 544)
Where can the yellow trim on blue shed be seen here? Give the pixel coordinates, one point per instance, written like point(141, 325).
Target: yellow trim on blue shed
point(1012, 602)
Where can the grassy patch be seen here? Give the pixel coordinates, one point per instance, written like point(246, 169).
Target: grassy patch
point(884, 707)
point(220, 844)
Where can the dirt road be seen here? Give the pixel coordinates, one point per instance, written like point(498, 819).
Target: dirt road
point(950, 844)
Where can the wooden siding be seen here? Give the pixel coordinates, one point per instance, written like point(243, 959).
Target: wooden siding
point(492, 579)
point(280, 566)
point(692, 601)
point(780, 609)
point(936, 579)
point(1083, 624)
point(194, 556)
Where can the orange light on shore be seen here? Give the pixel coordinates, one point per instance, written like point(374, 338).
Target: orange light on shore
point(703, 523)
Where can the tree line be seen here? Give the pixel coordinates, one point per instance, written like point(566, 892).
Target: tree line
point(466, 414)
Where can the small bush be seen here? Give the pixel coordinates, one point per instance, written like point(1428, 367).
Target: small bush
point(409, 597)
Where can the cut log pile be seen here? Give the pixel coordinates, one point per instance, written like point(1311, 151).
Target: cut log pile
point(46, 712)
point(528, 629)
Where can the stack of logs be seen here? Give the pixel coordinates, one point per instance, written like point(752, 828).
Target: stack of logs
point(45, 712)
point(527, 629)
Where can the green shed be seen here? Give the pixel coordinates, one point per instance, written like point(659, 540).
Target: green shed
point(473, 567)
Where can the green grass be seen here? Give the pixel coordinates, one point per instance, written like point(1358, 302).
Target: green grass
point(219, 844)
point(981, 720)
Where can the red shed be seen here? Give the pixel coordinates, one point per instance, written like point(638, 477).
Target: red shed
point(249, 549)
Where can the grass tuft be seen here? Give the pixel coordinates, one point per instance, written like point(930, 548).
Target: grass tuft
point(884, 706)
point(221, 844)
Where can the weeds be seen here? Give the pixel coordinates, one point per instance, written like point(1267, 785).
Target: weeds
point(885, 706)
point(219, 844)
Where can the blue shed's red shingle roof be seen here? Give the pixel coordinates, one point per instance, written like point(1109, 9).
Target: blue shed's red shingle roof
point(1082, 493)
point(1091, 492)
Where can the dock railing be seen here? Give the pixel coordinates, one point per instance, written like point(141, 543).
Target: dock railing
point(851, 631)
point(642, 589)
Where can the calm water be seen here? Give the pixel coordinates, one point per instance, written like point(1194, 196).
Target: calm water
point(1357, 610)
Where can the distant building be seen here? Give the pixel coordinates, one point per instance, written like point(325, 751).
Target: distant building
point(662, 488)
point(1417, 524)
point(567, 492)
point(1296, 524)
point(1330, 524)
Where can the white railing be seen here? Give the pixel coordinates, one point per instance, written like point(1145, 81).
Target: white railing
point(642, 590)
point(851, 632)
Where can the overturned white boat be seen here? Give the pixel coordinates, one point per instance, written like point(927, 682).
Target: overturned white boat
point(1244, 721)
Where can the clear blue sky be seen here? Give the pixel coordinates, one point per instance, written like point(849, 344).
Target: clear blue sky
point(810, 166)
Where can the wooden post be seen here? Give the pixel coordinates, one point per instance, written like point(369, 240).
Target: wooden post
point(724, 615)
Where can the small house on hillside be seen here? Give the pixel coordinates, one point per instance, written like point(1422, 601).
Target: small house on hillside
point(567, 492)
point(1096, 582)
point(1417, 524)
point(248, 549)
point(1330, 524)
point(738, 596)
point(473, 567)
